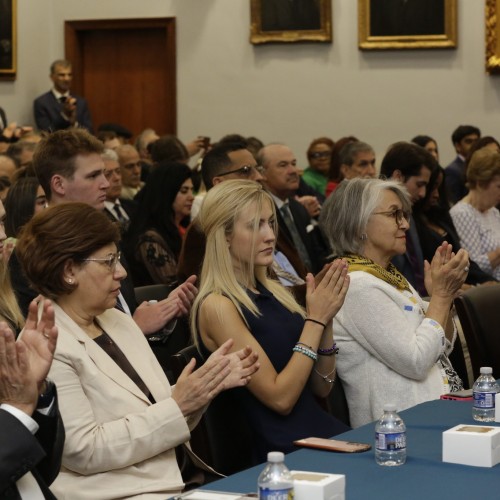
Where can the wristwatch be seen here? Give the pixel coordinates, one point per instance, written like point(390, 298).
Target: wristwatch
point(46, 398)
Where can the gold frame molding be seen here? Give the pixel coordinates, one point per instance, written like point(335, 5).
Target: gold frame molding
point(323, 34)
point(446, 40)
point(8, 20)
point(492, 37)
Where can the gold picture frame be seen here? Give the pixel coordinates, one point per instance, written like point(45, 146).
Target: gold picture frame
point(286, 21)
point(407, 24)
point(8, 39)
point(492, 38)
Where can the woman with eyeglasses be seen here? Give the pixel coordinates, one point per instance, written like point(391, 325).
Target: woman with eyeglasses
point(319, 154)
point(122, 418)
point(393, 346)
point(154, 239)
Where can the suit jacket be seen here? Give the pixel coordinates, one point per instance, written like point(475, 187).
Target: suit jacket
point(118, 444)
point(48, 113)
point(309, 233)
point(454, 180)
point(22, 452)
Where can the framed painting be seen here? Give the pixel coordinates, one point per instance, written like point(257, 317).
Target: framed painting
point(492, 37)
point(290, 21)
point(8, 47)
point(407, 24)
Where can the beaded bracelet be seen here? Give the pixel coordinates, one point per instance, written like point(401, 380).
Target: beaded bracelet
point(330, 351)
point(316, 321)
point(306, 352)
point(326, 377)
point(306, 346)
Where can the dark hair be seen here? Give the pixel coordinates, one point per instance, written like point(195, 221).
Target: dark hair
point(423, 140)
point(335, 174)
point(154, 206)
point(63, 232)
point(217, 161)
point(463, 130)
point(20, 204)
point(16, 149)
point(55, 154)
point(231, 138)
point(168, 148)
point(254, 145)
point(479, 144)
point(59, 62)
point(408, 158)
point(320, 140)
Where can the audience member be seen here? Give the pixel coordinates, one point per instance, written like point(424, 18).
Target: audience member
point(393, 345)
point(335, 176)
point(281, 178)
point(122, 133)
point(154, 239)
point(428, 143)
point(476, 217)
point(4, 187)
point(319, 156)
point(57, 109)
point(411, 165)
point(484, 142)
point(122, 418)
point(31, 430)
point(357, 159)
point(463, 138)
point(7, 165)
point(130, 166)
point(109, 139)
point(144, 139)
point(238, 301)
point(168, 148)
point(22, 152)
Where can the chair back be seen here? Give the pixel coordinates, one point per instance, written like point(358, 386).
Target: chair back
point(152, 292)
point(479, 312)
point(222, 439)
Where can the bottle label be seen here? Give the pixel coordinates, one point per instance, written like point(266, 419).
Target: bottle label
point(484, 400)
point(269, 494)
point(390, 442)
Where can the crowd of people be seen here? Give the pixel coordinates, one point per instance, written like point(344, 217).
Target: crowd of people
point(293, 278)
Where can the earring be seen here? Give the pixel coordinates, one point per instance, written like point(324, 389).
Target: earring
point(70, 281)
point(363, 237)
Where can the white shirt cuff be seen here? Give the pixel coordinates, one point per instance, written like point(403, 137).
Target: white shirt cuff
point(25, 419)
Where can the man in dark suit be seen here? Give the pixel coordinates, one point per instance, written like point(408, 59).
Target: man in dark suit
point(281, 178)
point(57, 109)
point(31, 429)
point(463, 139)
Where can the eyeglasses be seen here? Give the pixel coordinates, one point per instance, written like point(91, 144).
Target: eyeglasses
point(110, 262)
point(398, 215)
point(244, 171)
point(321, 154)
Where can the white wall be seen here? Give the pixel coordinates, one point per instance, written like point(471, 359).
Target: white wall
point(290, 93)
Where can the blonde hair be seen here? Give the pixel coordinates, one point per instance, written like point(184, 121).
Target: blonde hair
point(9, 308)
point(483, 166)
point(221, 207)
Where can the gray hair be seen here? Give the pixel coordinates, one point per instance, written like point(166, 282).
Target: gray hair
point(346, 212)
point(348, 153)
point(109, 154)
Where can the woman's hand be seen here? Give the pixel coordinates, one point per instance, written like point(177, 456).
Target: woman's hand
point(325, 299)
point(195, 389)
point(447, 272)
point(185, 293)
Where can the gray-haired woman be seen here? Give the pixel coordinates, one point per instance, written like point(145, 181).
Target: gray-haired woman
point(393, 345)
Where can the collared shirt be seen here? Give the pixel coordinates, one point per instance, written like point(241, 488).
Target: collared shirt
point(110, 205)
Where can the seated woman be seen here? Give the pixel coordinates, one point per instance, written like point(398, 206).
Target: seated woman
point(435, 226)
point(392, 344)
point(475, 217)
point(122, 418)
point(237, 300)
point(154, 238)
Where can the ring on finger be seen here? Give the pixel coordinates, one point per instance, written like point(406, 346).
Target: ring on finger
point(466, 269)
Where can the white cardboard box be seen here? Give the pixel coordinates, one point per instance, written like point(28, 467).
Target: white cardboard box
point(318, 486)
point(477, 445)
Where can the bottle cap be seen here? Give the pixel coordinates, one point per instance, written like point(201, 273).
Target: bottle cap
point(390, 407)
point(487, 370)
point(275, 456)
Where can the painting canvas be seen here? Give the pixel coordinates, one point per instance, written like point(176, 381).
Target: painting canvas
point(7, 38)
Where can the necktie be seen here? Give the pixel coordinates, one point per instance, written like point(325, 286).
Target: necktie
point(122, 219)
point(297, 240)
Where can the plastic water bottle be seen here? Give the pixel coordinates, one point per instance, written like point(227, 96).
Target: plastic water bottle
point(484, 390)
point(275, 481)
point(390, 438)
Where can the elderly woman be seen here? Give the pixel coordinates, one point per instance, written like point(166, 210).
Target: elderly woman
point(476, 219)
point(122, 418)
point(393, 345)
point(237, 300)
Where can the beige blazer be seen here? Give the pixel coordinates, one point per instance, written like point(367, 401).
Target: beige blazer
point(118, 444)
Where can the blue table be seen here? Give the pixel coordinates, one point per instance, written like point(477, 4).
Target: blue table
point(424, 476)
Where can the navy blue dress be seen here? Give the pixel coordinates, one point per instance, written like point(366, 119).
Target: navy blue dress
point(277, 330)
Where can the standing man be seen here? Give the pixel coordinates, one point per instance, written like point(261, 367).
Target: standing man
point(57, 109)
point(454, 176)
point(281, 178)
point(131, 168)
point(411, 165)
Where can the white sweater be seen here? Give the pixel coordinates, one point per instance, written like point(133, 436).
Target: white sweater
point(388, 349)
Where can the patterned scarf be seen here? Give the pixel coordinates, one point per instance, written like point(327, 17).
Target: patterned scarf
point(390, 275)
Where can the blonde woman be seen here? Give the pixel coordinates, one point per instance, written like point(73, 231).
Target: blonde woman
point(237, 300)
